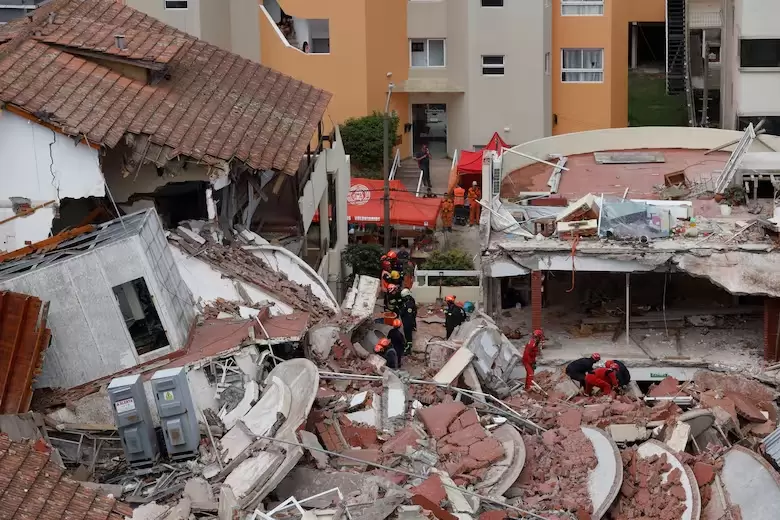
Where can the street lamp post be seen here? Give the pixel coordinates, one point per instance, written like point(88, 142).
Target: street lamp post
point(386, 158)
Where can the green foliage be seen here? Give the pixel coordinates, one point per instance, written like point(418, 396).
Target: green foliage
point(362, 139)
point(650, 105)
point(364, 259)
point(452, 260)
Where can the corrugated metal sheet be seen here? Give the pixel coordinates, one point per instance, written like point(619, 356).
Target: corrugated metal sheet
point(23, 339)
point(771, 446)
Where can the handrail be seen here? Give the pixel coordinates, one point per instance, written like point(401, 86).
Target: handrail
point(396, 164)
point(421, 275)
point(419, 184)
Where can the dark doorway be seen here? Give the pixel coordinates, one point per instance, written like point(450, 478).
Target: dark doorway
point(429, 126)
point(141, 316)
point(647, 45)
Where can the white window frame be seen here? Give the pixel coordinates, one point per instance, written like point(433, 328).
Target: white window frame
point(548, 64)
point(574, 4)
point(493, 66)
point(428, 53)
point(582, 70)
point(176, 8)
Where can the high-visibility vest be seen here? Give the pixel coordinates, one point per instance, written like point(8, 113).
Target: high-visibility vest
point(460, 195)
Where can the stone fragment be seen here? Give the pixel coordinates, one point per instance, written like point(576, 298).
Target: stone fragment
point(746, 408)
point(431, 488)
point(705, 473)
point(310, 440)
point(438, 418)
point(571, 419)
point(669, 386)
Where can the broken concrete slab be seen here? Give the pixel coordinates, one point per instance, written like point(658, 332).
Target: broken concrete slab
point(677, 438)
point(378, 509)
point(567, 388)
point(276, 399)
point(698, 420)
point(459, 503)
point(152, 511)
point(751, 483)
point(321, 340)
point(393, 404)
point(255, 470)
point(371, 415)
point(605, 479)
point(228, 504)
point(181, 511)
point(628, 433)
point(438, 418)
point(687, 479)
point(454, 366)
point(503, 473)
point(198, 490)
point(747, 408)
point(306, 482)
point(310, 441)
point(251, 395)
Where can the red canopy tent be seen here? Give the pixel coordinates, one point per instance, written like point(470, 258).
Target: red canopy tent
point(365, 205)
point(469, 167)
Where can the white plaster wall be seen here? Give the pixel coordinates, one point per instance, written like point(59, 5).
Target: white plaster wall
point(207, 284)
point(147, 180)
point(758, 18)
point(757, 92)
point(429, 294)
point(629, 139)
point(41, 165)
point(313, 190)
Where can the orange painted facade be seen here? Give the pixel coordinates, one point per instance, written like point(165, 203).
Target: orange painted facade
point(367, 40)
point(579, 107)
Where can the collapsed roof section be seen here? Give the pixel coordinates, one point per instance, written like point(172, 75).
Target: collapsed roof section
point(103, 71)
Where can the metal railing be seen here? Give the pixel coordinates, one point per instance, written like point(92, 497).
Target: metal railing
point(396, 164)
point(421, 275)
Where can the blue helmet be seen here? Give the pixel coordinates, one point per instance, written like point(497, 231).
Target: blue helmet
point(468, 307)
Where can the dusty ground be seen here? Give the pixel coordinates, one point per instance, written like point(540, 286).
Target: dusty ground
point(738, 345)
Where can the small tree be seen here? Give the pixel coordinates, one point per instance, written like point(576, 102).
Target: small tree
point(364, 259)
point(452, 260)
point(362, 137)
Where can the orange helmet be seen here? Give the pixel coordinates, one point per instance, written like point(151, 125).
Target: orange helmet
point(383, 344)
point(383, 258)
point(392, 255)
point(450, 299)
point(397, 323)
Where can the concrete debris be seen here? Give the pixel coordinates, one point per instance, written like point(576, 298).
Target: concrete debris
point(751, 484)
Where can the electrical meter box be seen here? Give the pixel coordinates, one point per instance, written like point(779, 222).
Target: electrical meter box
point(133, 420)
point(178, 415)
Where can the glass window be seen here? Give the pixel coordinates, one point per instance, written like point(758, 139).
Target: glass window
point(492, 3)
point(582, 65)
point(492, 65)
point(759, 53)
point(582, 7)
point(176, 4)
point(427, 53)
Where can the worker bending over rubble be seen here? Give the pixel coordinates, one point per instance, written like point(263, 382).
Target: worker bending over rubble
point(386, 350)
point(394, 300)
point(579, 368)
point(621, 372)
point(408, 317)
point(530, 354)
point(397, 339)
point(604, 378)
point(453, 315)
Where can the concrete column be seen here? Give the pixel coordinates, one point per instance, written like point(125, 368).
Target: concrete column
point(324, 219)
point(536, 300)
point(634, 43)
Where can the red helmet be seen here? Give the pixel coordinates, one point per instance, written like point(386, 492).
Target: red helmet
point(450, 299)
point(397, 323)
point(392, 288)
point(386, 265)
point(383, 344)
point(383, 258)
point(611, 365)
point(539, 333)
point(392, 255)
point(595, 356)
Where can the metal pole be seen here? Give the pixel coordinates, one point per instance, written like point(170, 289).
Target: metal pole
point(628, 306)
point(705, 101)
point(386, 160)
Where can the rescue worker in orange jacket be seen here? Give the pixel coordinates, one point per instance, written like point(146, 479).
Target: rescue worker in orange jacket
point(385, 349)
point(385, 280)
point(530, 353)
point(475, 209)
point(460, 196)
point(604, 378)
point(447, 213)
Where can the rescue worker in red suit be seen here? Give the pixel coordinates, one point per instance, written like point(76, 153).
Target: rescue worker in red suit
point(604, 378)
point(530, 354)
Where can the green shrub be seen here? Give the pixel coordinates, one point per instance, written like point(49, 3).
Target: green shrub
point(362, 137)
point(364, 259)
point(452, 260)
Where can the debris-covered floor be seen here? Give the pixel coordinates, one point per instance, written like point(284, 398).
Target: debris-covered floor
point(452, 435)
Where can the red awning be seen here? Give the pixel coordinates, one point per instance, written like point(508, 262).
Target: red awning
point(365, 205)
point(471, 162)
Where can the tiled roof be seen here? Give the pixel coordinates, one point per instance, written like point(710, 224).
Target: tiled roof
point(32, 486)
point(212, 105)
point(23, 339)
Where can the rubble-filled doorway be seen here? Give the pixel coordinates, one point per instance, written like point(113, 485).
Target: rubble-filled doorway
point(141, 316)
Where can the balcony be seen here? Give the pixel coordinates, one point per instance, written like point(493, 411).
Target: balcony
point(310, 36)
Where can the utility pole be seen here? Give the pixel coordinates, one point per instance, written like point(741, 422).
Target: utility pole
point(386, 158)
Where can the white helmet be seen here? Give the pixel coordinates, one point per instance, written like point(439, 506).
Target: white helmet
point(406, 292)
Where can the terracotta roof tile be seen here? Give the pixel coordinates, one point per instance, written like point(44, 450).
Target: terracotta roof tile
point(32, 488)
point(211, 105)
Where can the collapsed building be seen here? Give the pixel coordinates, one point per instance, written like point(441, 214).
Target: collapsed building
point(653, 244)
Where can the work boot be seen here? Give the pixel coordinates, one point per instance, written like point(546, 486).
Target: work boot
point(408, 348)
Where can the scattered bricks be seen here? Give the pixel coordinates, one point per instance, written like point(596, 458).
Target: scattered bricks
point(583, 515)
point(725, 383)
point(668, 387)
point(358, 436)
point(594, 412)
point(325, 396)
point(464, 420)
point(664, 410)
point(397, 444)
point(329, 437)
point(488, 450)
point(549, 438)
point(438, 418)
point(678, 492)
point(494, 515)
point(432, 489)
point(466, 436)
point(469, 464)
point(396, 478)
point(436, 510)
point(746, 408)
point(364, 455)
point(571, 419)
point(709, 400)
point(705, 473)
